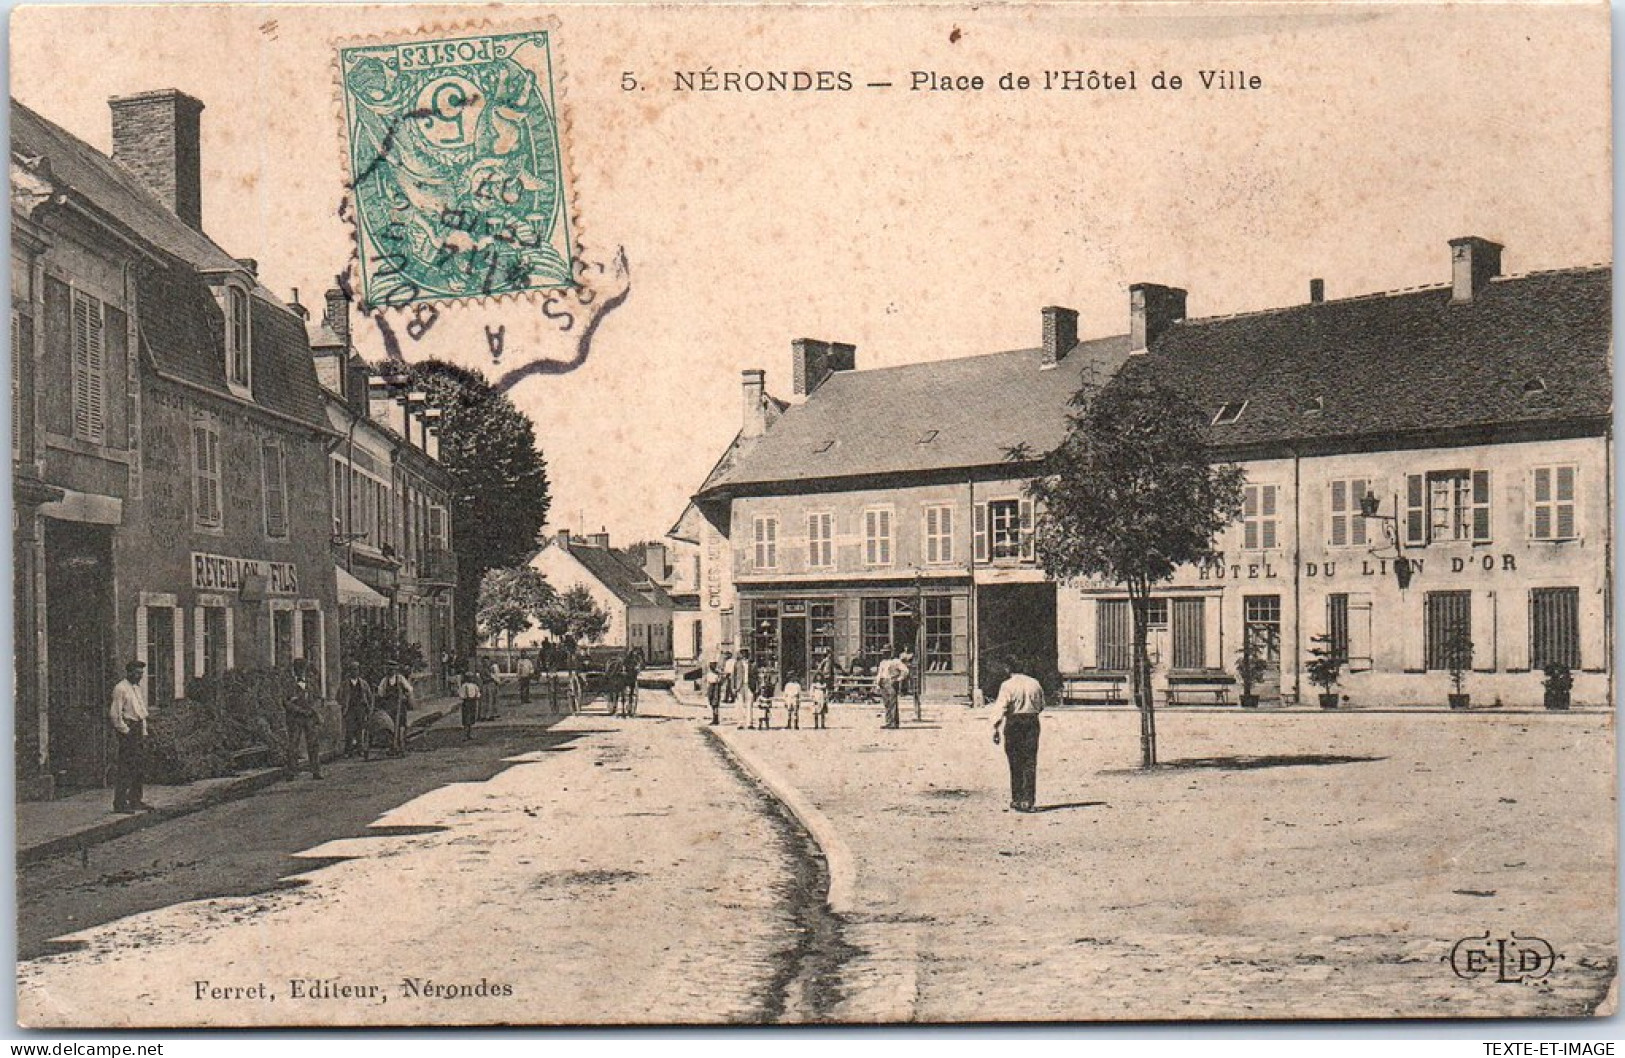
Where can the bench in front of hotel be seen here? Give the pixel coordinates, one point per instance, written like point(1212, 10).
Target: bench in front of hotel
point(1096, 687)
point(1186, 688)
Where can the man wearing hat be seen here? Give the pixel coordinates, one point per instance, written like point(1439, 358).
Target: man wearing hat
point(129, 716)
point(303, 717)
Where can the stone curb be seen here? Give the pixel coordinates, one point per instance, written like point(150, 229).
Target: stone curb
point(253, 782)
point(842, 867)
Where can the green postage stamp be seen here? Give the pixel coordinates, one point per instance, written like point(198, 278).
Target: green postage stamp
point(456, 166)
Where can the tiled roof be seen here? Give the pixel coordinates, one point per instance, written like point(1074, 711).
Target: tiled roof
point(969, 412)
point(1526, 350)
point(182, 328)
point(620, 574)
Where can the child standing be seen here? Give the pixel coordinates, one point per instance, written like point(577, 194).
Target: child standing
point(818, 698)
point(792, 704)
point(713, 692)
point(470, 695)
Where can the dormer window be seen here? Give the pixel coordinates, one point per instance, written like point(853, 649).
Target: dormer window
point(239, 369)
point(1230, 413)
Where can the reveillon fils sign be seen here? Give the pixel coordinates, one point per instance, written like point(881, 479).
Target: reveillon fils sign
point(225, 573)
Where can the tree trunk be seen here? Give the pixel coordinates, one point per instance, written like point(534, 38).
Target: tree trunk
point(1140, 674)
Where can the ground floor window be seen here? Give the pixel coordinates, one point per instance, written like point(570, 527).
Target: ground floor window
point(1449, 614)
point(939, 634)
point(281, 638)
point(1554, 627)
point(162, 641)
point(1337, 625)
point(1261, 624)
point(213, 648)
point(1189, 633)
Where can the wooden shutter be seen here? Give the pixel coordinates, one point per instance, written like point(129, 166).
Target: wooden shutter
point(1339, 535)
point(812, 540)
point(1189, 628)
point(89, 369)
point(1249, 518)
point(1267, 516)
point(885, 537)
point(871, 543)
point(932, 551)
point(1481, 506)
point(979, 532)
point(1415, 509)
point(276, 502)
point(1112, 634)
point(1359, 629)
point(1026, 529)
point(1566, 527)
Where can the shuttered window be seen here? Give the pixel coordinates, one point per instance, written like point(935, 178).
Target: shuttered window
point(877, 536)
point(1347, 527)
point(939, 534)
point(821, 540)
point(1552, 517)
point(1112, 634)
point(1337, 625)
point(89, 370)
point(273, 473)
point(1554, 627)
point(765, 532)
point(238, 333)
point(1190, 645)
point(1260, 523)
point(979, 532)
point(1446, 506)
point(206, 500)
point(1449, 613)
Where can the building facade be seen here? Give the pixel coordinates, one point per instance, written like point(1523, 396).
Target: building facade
point(1464, 428)
point(622, 585)
point(169, 441)
point(389, 495)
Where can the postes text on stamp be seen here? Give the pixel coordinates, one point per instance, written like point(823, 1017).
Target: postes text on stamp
point(456, 168)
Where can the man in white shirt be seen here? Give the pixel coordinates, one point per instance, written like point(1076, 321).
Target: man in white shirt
point(1020, 700)
point(889, 678)
point(526, 670)
point(129, 716)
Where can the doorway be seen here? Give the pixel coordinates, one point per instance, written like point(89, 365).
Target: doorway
point(793, 649)
point(1261, 625)
point(79, 635)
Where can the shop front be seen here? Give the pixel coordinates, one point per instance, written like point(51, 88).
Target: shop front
point(844, 632)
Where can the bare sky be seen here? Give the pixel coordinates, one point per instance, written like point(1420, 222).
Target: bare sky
point(919, 225)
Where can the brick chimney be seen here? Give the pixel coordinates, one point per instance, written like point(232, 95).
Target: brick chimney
point(562, 538)
point(1317, 291)
point(753, 387)
point(1152, 310)
point(813, 361)
point(1060, 333)
point(156, 136)
point(1473, 263)
point(337, 314)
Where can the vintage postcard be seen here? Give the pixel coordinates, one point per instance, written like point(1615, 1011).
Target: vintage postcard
point(839, 514)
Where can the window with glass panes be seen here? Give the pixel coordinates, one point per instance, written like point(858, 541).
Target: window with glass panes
point(1004, 521)
point(939, 633)
point(1445, 506)
point(875, 630)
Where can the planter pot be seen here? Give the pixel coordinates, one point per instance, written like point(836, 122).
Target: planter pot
point(1328, 701)
point(1557, 699)
point(1459, 701)
point(1249, 701)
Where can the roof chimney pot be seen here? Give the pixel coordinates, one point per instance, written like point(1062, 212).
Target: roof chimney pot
point(1473, 263)
point(1152, 310)
point(1317, 291)
point(156, 136)
point(1060, 333)
point(753, 387)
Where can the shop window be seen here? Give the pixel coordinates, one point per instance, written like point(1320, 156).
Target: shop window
point(765, 534)
point(1446, 506)
point(820, 633)
point(1347, 527)
point(206, 500)
point(939, 534)
point(876, 629)
point(877, 536)
point(939, 633)
point(1260, 520)
point(1554, 627)
point(821, 540)
point(1449, 613)
point(1553, 515)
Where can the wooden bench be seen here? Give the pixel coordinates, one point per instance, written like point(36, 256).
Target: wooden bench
point(1186, 688)
point(1094, 688)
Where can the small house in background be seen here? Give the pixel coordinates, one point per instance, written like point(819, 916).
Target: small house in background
point(621, 583)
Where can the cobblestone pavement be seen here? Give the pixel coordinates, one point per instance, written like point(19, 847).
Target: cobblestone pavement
point(622, 872)
point(1287, 865)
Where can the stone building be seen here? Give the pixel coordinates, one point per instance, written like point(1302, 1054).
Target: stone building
point(169, 446)
point(622, 584)
point(888, 507)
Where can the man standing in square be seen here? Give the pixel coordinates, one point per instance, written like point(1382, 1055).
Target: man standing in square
point(1020, 700)
point(129, 716)
point(889, 678)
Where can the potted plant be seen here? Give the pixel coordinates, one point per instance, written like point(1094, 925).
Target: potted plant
point(1250, 669)
point(1325, 665)
point(1559, 685)
point(1458, 659)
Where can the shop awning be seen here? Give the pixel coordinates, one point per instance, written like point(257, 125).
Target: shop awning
point(354, 593)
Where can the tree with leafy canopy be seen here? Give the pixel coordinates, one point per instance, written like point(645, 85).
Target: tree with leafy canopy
point(575, 616)
point(500, 492)
point(1129, 496)
point(512, 599)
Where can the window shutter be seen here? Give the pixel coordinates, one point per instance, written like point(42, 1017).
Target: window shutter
point(1359, 617)
point(870, 545)
point(88, 368)
point(1415, 510)
point(1357, 489)
point(1340, 518)
point(1249, 516)
point(1481, 506)
point(1027, 551)
point(1266, 518)
point(931, 535)
point(1566, 529)
point(772, 542)
point(197, 641)
point(979, 532)
point(885, 537)
point(276, 507)
point(812, 540)
point(945, 531)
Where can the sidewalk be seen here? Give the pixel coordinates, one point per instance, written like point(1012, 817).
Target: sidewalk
point(46, 829)
point(1300, 864)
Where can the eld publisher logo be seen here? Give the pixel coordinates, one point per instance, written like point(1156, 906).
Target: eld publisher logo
point(1514, 960)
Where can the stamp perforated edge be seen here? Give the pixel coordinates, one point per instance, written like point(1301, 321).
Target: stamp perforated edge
point(350, 274)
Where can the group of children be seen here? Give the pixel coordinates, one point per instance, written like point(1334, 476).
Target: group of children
point(791, 697)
